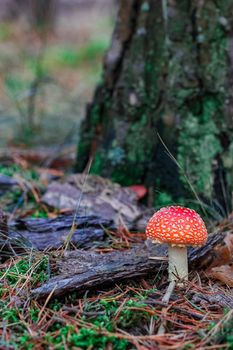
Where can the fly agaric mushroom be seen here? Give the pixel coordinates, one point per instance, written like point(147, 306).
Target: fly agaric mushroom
point(178, 227)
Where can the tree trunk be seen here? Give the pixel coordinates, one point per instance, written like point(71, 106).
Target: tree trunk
point(167, 81)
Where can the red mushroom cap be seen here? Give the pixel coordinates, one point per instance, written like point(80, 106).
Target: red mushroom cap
point(177, 226)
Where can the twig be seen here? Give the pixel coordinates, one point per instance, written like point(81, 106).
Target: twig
point(165, 299)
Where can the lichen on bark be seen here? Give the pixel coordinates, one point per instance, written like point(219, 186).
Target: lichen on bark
point(198, 147)
point(203, 121)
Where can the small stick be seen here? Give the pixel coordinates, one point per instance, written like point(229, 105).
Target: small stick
point(165, 300)
point(169, 292)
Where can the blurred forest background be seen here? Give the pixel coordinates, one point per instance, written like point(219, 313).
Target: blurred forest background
point(50, 60)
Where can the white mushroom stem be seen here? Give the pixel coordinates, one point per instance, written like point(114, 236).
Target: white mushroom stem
point(177, 263)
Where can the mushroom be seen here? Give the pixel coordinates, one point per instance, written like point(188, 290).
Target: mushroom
point(179, 227)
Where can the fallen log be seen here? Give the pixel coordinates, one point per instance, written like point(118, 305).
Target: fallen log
point(44, 233)
point(83, 270)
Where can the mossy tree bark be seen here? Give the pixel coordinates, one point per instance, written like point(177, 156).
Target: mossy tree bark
point(168, 71)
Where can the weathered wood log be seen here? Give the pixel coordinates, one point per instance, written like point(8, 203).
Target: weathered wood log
point(47, 233)
point(84, 270)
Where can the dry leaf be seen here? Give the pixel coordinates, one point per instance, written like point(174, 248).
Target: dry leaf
point(223, 273)
point(223, 254)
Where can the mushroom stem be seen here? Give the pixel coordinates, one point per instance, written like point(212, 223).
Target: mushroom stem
point(178, 263)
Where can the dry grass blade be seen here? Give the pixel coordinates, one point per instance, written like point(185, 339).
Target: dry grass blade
point(74, 224)
point(184, 175)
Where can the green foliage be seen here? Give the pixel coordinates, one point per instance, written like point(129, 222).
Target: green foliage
point(71, 57)
point(4, 31)
point(16, 85)
point(14, 169)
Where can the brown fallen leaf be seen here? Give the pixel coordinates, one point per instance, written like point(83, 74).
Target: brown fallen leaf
point(223, 253)
point(223, 273)
point(221, 266)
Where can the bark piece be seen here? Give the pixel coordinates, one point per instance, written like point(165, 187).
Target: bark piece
point(217, 298)
point(51, 233)
point(80, 270)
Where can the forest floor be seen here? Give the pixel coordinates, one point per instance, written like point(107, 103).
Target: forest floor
point(122, 315)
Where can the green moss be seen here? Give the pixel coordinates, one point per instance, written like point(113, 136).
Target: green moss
point(217, 66)
point(85, 338)
point(198, 146)
point(95, 115)
point(162, 199)
point(202, 111)
point(116, 154)
point(138, 143)
point(127, 174)
point(27, 266)
point(71, 57)
point(228, 164)
point(98, 163)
